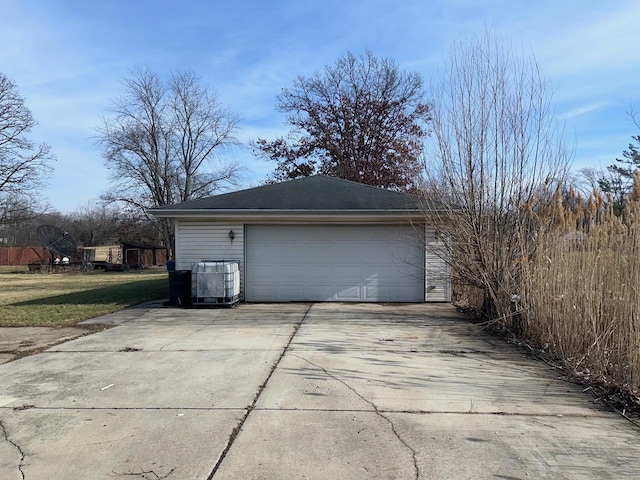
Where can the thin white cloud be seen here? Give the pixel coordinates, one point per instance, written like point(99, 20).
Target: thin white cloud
point(581, 110)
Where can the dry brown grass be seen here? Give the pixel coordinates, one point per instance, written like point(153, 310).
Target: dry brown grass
point(60, 299)
point(581, 291)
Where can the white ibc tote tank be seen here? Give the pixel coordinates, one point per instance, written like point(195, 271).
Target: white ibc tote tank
point(215, 282)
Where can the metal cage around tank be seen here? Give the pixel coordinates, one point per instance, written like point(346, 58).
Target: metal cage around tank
point(215, 282)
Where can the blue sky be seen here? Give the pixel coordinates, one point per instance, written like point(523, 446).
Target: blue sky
point(69, 57)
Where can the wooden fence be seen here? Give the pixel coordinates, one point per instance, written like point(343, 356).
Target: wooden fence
point(23, 255)
point(130, 253)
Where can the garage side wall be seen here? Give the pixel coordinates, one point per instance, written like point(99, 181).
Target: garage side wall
point(438, 275)
point(197, 241)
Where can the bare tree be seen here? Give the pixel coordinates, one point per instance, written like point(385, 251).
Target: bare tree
point(496, 150)
point(27, 217)
point(587, 180)
point(616, 183)
point(609, 183)
point(163, 141)
point(362, 119)
point(16, 209)
point(23, 164)
point(134, 228)
point(94, 225)
point(16, 213)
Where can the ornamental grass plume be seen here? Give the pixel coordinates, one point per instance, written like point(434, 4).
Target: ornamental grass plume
point(582, 293)
point(579, 288)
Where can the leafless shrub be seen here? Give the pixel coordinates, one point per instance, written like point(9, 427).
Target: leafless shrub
point(495, 147)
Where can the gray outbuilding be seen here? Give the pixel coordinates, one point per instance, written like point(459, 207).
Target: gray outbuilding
point(316, 238)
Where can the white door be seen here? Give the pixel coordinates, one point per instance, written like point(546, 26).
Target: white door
point(369, 263)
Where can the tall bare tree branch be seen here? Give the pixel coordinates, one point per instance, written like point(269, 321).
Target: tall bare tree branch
point(162, 143)
point(496, 148)
point(23, 164)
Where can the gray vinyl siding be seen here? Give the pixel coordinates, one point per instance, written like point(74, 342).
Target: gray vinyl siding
point(437, 278)
point(197, 241)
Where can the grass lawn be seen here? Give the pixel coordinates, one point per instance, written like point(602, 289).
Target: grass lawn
point(63, 299)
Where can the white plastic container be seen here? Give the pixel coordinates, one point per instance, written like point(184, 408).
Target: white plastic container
point(215, 282)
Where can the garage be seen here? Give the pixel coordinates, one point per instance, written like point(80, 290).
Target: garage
point(365, 263)
point(316, 239)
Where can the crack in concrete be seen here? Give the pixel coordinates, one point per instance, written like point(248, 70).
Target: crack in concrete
point(102, 442)
point(182, 338)
point(146, 474)
point(16, 446)
point(377, 411)
point(250, 408)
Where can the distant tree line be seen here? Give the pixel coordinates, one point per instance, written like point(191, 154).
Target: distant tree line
point(615, 182)
point(91, 225)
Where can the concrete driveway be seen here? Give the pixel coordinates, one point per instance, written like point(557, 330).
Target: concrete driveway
point(292, 391)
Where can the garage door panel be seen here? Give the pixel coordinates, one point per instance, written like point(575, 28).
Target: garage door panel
point(261, 274)
point(351, 254)
point(333, 262)
point(289, 274)
point(267, 273)
point(348, 293)
point(295, 253)
point(348, 274)
point(321, 293)
point(263, 291)
point(321, 252)
point(372, 273)
point(380, 294)
point(319, 274)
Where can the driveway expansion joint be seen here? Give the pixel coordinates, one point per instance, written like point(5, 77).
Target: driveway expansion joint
point(115, 409)
point(261, 387)
point(604, 414)
point(376, 410)
point(16, 446)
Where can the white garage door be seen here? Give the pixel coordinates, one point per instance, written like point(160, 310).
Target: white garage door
point(370, 263)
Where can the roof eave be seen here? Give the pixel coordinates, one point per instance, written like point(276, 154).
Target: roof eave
point(289, 215)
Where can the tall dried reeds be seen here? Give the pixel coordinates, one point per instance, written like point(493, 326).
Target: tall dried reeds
point(578, 285)
point(580, 294)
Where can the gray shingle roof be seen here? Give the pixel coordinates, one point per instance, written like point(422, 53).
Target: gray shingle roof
point(317, 192)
